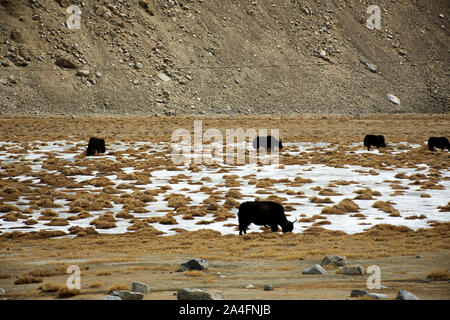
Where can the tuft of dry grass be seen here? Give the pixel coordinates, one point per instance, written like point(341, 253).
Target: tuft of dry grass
point(50, 287)
point(343, 207)
point(193, 273)
point(96, 285)
point(65, 292)
point(439, 275)
point(27, 279)
point(386, 207)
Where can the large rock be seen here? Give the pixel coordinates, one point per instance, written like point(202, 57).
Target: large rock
point(405, 295)
point(374, 295)
point(139, 287)
point(358, 293)
point(316, 269)
point(354, 270)
point(193, 264)
point(199, 294)
point(334, 260)
point(110, 298)
point(127, 295)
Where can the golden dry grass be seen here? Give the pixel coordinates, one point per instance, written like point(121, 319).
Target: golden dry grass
point(50, 287)
point(439, 275)
point(65, 292)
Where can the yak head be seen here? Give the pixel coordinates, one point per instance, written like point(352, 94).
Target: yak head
point(288, 226)
point(280, 145)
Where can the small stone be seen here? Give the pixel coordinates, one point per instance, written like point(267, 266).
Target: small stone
point(12, 80)
point(249, 286)
point(405, 295)
point(83, 72)
point(393, 98)
point(369, 66)
point(316, 269)
point(164, 77)
point(100, 11)
point(139, 287)
point(63, 62)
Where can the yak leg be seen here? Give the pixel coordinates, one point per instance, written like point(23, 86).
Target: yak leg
point(274, 227)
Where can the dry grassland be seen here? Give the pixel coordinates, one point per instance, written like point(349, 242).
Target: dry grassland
point(32, 265)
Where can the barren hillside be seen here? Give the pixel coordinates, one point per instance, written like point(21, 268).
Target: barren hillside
point(166, 57)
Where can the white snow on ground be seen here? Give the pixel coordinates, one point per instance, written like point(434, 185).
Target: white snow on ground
point(409, 204)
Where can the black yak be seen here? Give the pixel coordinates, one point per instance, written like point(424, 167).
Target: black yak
point(263, 213)
point(372, 140)
point(95, 146)
point(267, 143)
point(438, 142)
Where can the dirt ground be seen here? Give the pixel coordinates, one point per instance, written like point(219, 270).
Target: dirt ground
point(418, 261)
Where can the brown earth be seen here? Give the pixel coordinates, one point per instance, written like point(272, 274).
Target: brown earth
point(109, 261)
point(223, 57)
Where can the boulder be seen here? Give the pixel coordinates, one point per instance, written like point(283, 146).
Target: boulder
point(405, 295)
point(127, 295)
point(374, 295)
point(199, 294)
point(109, 297)
point(316, 269)
point(139, 287)
point(334, 260)
point(354, 270)
point(358, 293)
point(193, 264)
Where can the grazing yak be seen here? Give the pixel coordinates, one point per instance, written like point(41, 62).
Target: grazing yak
point(95, 146)
point(267, 143)
point(263, 213)
point(438, 142)
point(372, 140)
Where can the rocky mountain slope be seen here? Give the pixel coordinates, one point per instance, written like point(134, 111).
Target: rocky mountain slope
point(167, 57)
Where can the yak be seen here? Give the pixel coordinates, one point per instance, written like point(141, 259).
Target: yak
point(373, 140)
point(438, 142)
point(267, 143)
point(263, 213)
point(95, 146)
